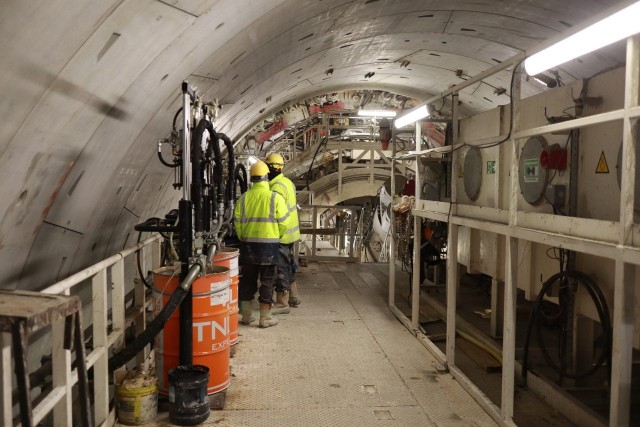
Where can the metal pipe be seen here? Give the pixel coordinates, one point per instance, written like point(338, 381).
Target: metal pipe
point(211, 253)
point(191, 275)
point(155, 228)
point(392, 246)
point(186, 308)
point(186, 142)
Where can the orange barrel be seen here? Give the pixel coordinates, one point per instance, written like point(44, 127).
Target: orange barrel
point(211, 297)
point(228, 257)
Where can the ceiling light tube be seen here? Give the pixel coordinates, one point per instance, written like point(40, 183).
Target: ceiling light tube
point(377, 113)
point(412, 116)
point(615, 27)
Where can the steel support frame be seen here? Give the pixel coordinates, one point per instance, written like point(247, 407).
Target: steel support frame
point(520, 226)
point(452, 243)
point(392, 225)
point(417, 234)
point(623, 299)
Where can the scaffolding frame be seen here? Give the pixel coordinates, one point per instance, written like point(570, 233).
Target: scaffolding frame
point(616, 240)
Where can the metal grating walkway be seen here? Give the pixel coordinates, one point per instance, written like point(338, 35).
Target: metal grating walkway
point(340, 359)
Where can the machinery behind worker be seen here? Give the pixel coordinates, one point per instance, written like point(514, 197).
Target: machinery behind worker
point(195, 232)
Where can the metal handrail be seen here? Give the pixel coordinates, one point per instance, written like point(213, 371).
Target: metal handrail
point(60, 399)
point(65, 284)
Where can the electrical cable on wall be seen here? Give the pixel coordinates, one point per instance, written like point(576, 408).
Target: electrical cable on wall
point(508, 137)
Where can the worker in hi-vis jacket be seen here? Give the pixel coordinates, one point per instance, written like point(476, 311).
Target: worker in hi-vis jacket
point(286, 287)
point(260, 221)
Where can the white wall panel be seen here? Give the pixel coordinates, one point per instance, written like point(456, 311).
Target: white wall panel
point(194, 7)
point(50, 258)
point(146, 28)
point(38, 38)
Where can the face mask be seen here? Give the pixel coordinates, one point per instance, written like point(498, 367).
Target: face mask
point(273, 173)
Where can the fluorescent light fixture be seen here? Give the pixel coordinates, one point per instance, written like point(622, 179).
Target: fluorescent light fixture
point(377, 113)
point(412, 116)
point(252, 159)
point(616, 27)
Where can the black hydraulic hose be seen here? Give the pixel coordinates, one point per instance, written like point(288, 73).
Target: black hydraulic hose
point(142, 276)
point(176, 117)
point(206, 199)
point(163, 161)
point(158, 323)
point(196, 175)
point(603, 313)
point(214, 148)
point(241, 176)
point(326, 138)
point(153, 225)
point(231, 163)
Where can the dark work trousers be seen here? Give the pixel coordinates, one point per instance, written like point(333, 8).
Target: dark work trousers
point(249, 275)
point(286, 274)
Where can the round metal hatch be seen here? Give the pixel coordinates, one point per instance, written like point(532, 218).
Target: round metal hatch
point(472, 172)
point(532, 178)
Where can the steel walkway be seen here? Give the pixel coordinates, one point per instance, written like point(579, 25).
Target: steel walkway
point(340, 359)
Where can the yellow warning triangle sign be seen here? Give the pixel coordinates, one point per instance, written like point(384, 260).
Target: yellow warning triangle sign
point(602, 164)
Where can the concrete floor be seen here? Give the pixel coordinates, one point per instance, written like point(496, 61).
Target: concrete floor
point(340, 359)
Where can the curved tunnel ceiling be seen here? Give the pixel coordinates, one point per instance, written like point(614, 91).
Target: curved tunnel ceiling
point(88, 87)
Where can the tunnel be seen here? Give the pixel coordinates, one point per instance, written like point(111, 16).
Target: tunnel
point(494, 235)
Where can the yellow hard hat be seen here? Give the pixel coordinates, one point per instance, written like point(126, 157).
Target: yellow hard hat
point(275, 159)
point(259, 168)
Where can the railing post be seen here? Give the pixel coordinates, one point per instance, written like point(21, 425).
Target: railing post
point(6, 405)
point(140, 320)
point(415, 269)
point(100, 341)
point(453, 279)
point(352, 234)
point(625, 277)
point(61, 374)
point(117, 304)
point(314, 235)
point(340, 168)
point(511, 284)
point(156, 254)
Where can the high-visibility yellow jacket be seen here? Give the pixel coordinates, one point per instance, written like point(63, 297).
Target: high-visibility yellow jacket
point(259, 220)
point(283, 186)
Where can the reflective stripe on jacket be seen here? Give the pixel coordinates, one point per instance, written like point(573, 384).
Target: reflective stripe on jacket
point(283, 186)
point(259, 219)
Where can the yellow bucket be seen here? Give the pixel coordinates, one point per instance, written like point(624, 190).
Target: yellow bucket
point(137, 406)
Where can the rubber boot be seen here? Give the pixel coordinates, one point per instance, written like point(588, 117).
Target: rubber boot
point(265, 316)
point(246, 312)
point(281, 306)
point(294, 301)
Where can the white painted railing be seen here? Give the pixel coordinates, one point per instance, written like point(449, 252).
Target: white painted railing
point(59, 399)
